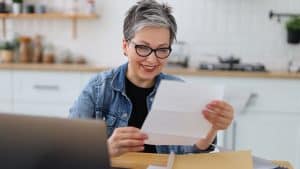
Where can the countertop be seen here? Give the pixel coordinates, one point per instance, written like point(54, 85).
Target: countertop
point(177, 71)
point(143, 160)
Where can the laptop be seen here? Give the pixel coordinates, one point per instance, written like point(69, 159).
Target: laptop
point(28, 142)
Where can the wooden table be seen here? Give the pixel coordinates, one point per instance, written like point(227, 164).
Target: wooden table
point(143, 160)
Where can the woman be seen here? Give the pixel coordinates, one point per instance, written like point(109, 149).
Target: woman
point(123, 96)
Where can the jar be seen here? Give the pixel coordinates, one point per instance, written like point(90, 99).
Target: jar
point(80, 60)
point(25, 49)
point(17, 8)
point(7, 56)
point(48, 56)
point(64, 56)
point(38, 49)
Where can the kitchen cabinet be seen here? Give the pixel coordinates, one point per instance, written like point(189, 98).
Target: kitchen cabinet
point(45, 87)
point(72, 17)
point(5, 91)
point(45, 93)
point(272, 136)
point(269, 123)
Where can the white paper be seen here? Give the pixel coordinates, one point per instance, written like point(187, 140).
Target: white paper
point(169, 164)
point(260, 163)
point(155, 167)
point(176, 116)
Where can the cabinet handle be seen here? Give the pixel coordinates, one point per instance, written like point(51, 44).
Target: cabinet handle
point(250, 101)
point(46, 87)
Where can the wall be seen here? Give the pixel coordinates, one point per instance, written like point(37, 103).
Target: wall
point(211, 27)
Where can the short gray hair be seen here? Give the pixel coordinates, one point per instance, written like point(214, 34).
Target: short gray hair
point(149, 13)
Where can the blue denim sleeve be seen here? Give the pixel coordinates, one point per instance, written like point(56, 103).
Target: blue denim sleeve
point(166, 149)
point(194, 149)
point(84, 106)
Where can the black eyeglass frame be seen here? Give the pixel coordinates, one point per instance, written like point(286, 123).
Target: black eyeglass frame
point(136, 46)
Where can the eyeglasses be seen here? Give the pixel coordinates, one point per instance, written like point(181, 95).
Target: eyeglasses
point(144, 51)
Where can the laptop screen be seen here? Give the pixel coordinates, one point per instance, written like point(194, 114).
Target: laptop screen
point(28, 142)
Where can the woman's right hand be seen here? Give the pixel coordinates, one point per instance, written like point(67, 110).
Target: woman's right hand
point(126, 139)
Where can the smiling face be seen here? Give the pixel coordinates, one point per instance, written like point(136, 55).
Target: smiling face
point(143, 70)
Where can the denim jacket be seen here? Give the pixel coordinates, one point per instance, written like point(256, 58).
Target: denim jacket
point(104, 98)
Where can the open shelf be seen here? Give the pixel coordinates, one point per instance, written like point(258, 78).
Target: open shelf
point(72, 17)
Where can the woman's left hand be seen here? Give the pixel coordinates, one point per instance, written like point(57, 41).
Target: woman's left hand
point(219, 114)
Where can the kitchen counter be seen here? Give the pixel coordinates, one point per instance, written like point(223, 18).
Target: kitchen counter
point(52, 67)
point(177, 71)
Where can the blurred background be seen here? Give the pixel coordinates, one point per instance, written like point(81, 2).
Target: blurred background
point(49, 49)
point(240, 28)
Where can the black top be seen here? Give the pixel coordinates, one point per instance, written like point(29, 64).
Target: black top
point(138, 97)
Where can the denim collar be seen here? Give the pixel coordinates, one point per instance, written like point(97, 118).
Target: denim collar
point(118, 79)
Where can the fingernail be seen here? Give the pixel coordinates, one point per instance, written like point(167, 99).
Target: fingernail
point(205, 113)
point(215, 102)
point(209, 106)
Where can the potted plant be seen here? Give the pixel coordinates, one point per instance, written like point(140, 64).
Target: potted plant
point(6, 52)
point(17, 6)
point(293, 30)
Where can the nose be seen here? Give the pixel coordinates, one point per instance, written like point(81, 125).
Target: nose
point(152, 58)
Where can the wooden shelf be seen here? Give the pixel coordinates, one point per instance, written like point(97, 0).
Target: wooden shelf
point(49, 16)
point(72, 17)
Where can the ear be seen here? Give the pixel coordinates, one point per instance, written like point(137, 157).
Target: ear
point(125, 46)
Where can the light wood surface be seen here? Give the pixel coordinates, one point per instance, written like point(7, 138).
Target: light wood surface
point(195, 72)
point(139, 160)
point(175, 71)
point(143, 160)
point(52, 67)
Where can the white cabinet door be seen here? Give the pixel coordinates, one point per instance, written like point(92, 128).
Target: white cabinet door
point(269, 136)
point(45, 93)
point(43, 109)
point(45, 87)
point(5, 91)
point(5, 107)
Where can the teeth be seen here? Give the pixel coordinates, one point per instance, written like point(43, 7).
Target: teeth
point(148, 67)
